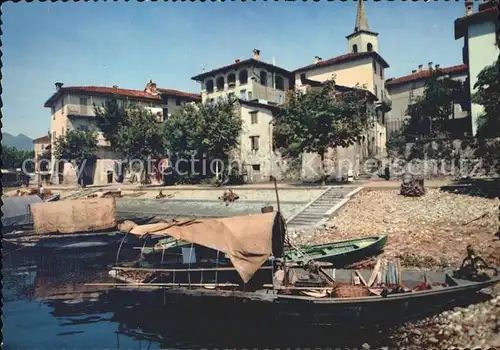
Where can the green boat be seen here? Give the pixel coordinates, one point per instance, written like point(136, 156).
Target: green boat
point(339, 252)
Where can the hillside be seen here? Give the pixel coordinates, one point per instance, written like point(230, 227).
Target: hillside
point(20, 141)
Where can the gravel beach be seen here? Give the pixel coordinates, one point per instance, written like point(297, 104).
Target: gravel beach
point(430, 232)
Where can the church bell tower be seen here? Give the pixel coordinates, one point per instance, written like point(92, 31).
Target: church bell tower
point(362, 39)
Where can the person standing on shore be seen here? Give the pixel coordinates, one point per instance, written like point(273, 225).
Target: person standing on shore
point(41, 191)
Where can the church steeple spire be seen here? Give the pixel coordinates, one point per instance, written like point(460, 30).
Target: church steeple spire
point(361, 20)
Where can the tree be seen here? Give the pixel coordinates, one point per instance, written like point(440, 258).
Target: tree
point(430, 114)
point(77, 147)
point(132, 131)
point(211, 129)
point(319, 119)
point(13, 158)
point(488, 94)
point(109, 119)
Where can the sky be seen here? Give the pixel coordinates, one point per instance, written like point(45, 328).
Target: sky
point(126, 44)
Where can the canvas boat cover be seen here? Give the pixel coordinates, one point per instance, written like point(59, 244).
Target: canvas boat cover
point(77, 215)
point(16, 210)
point(248, 240)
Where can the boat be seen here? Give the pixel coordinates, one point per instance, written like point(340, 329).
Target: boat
point(338, 252)
point(261, 281)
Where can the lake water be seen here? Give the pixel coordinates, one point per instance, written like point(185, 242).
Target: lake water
point(47, 306)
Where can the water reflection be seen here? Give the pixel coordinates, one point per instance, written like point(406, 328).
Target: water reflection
point(52, 305)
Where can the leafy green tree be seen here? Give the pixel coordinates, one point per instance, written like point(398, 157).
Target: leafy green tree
point(210, 129)
point(77, 147)
point(430, 114)
point(13, 158)
point(319, 119)
point(109, 119)
point(133, 131)
point(488, 95)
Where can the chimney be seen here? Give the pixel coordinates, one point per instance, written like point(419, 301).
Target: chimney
point(317, 59)
point(436, 66)
point(58, 86)
point(420, 66)
point(151, 88)
point(468, 7)
point(115, 86)
point(414, 71)
point(237, 60)
point(256, 54)
point(430, 65)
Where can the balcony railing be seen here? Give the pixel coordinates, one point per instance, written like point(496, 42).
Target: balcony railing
point(267, 93)
point(82, 110)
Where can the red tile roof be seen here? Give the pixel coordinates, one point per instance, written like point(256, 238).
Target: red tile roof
point(113, 91)
point(344, 58)
point(488, 13)
point(42, 139)
point(424, 74)
point(248, 61)
point(180, 93)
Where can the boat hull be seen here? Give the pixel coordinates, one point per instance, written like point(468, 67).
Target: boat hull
point(268, 305)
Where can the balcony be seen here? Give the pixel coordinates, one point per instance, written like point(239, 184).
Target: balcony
point(80, 110)
point(267, 93)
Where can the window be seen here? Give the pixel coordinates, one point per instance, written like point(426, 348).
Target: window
point(243, 95)
point(219, 83)
point(256, 167)
point(62, 105)
point(254, 117)
point(209, 86)
point(381, 72)
point(254, 141)
point(250, 95)
point(383, 118)
point(53, 112)
point(376, 90)
point(231, 80)
point(279, 83)
point(355, 48)
point(243, 77)
point(374, 65)
point(369, 47)
point(165, 113)
point(177, 101)
point(83, 101)
point(263, 78)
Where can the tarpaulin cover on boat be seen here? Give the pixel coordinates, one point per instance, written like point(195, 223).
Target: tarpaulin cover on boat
point(16, 210)
point(77, 215)
point(248, 240)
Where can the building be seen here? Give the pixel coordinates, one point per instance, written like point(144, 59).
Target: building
point(405, 90)
point(481, 46)
point(42, 148)
point(249, 80)
point(259, 87)
point(72, 108)
point(362, 67)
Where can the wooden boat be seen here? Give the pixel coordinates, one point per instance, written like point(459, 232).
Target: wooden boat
point(339, 252)
point(312, 301)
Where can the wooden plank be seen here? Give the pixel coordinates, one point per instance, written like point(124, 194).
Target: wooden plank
point(374, 274)
point(361, 278)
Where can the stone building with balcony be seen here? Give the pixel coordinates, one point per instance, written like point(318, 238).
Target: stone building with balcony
point(72, 108)
point(259, 88)
point(405, 90)
point(248, 80)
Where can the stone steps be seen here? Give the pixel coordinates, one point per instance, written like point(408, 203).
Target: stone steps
point(316, 211)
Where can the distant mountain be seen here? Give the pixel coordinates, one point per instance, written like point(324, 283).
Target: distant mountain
point(20, 141)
